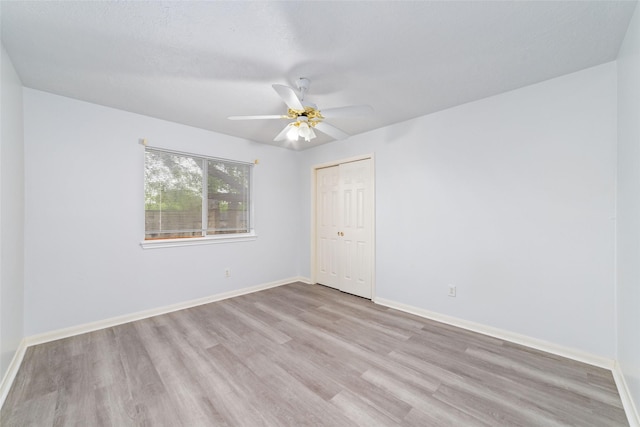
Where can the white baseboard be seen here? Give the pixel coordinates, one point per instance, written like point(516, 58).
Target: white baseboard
point(119, 320)
point(625, 395)
point(11, 373)
point(502, 334)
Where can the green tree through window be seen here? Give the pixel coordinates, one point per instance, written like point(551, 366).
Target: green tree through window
point(180, 202)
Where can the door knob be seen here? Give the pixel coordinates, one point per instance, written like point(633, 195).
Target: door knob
point(340, 233)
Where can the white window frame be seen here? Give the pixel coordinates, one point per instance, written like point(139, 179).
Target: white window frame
point(205, 239)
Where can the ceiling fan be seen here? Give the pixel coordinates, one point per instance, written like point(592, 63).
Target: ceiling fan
point(305, 116)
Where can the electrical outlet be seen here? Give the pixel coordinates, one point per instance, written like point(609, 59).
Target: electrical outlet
point(227, 272)
point(452, 291)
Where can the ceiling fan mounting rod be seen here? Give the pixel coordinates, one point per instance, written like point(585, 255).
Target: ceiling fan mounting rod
point(303, 85)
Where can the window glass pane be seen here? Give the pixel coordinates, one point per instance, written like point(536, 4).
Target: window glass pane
point(176, 185)
point(173, 195)
point(228, 197)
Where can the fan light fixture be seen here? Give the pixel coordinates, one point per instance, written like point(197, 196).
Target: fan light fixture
point(301, 128)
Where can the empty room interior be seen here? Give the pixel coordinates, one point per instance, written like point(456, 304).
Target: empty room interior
point(320, 213)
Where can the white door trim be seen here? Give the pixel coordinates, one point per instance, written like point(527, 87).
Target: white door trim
point(313, 264)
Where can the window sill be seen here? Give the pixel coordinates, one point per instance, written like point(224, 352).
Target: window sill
point(196, 241)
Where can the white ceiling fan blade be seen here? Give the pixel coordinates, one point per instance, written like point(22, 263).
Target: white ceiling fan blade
point(351, 111)
point(283, 133)
point(271, 116)
point(332, 131)
point(289, 97)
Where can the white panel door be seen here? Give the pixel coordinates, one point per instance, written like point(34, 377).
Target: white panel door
point(327, 219)
point(356, 228)
point(344, 227)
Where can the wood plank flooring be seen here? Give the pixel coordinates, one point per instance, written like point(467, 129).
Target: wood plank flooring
point(302, 355)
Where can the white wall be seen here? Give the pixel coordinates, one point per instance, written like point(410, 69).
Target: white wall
point(511, 199)
point(11, 213)
point(628, 209)
point(85, 216)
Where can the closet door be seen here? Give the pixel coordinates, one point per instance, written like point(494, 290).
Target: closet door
point(327, 226)
point(345, 227)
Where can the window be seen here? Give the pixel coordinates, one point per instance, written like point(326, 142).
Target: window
point(189, 196)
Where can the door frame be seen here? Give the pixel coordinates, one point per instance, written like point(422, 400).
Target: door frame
point(313, 238)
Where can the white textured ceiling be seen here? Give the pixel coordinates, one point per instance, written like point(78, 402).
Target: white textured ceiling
point(198, 62)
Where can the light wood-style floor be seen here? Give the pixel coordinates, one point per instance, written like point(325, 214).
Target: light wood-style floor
point(301, 355)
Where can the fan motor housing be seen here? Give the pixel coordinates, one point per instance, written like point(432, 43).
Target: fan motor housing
point(311, 113)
